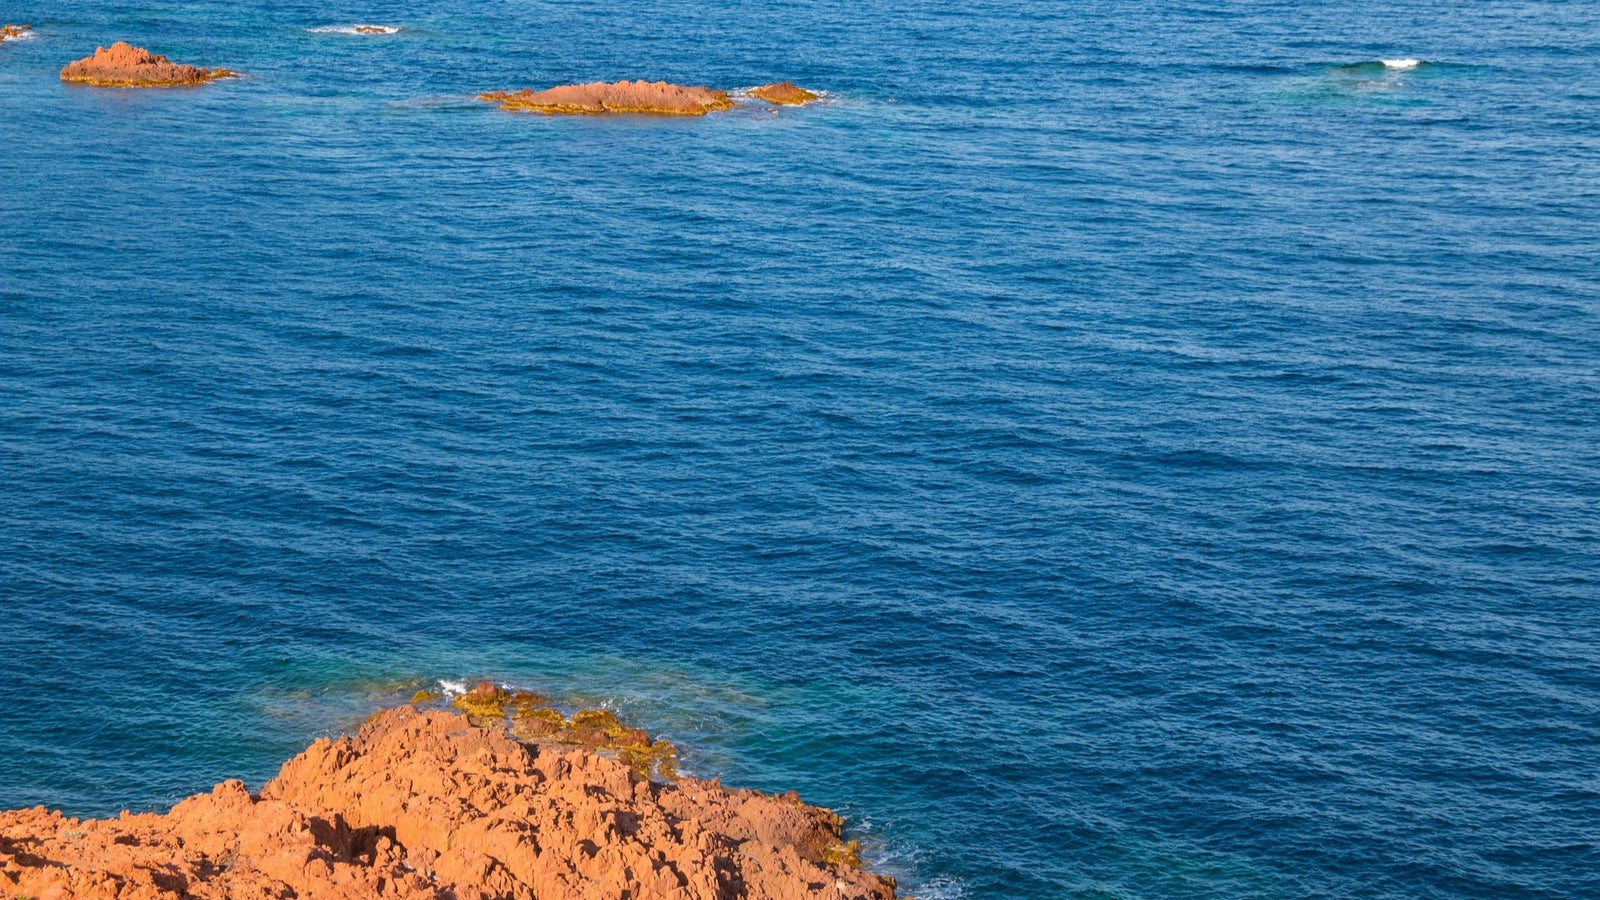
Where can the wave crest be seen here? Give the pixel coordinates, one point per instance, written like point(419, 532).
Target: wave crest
point(355, 29)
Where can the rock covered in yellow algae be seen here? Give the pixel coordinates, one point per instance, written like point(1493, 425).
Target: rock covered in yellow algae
point(784, 93)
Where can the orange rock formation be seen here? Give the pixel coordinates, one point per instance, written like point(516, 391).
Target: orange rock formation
point(784, 93)
point(124, 65)
point(649, 97)
point(13, 32)
point(424, 804)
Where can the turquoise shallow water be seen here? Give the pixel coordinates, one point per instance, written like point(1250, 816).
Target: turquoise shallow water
point(1108, 450)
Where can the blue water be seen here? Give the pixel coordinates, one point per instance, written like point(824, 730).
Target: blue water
point(1116, 450)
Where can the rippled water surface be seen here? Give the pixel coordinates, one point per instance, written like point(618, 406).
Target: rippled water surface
point(1109, 449)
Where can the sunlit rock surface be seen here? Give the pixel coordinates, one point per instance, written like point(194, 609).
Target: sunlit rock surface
point(124, 65)
point(426, 804)
point(600, 98)
point(784, 93)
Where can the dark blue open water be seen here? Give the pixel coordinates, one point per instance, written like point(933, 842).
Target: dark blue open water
point(1113, 449)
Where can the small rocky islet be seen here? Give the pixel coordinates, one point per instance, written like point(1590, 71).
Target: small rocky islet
point(502, 796)
point(123, 65)
point(783, 93)
point(14, 32)
point(598, 98)
point(658, 98)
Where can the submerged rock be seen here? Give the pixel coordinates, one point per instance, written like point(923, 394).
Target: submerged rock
point(784, 93)
point(529, 716)
point(482, 704)
point(421, 804)
point(14, 32)
point(124, 65)
point(599, 98)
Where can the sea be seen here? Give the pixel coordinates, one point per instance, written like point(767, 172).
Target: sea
point(1105, 449)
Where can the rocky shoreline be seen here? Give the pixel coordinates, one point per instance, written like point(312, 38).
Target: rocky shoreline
point(501, 797)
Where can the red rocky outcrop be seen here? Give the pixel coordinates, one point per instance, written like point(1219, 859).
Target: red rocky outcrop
point(783, 93)
point(124, 65)
point(425, 804)
point(600, 98)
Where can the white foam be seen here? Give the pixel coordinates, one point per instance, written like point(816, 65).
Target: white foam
point(1406, 63)
point(453, 688)
point(24, 36)
point(743, 93)
point(355, 29)
point(944, 888)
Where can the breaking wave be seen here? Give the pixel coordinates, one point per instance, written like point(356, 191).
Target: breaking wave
point(355, 29)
